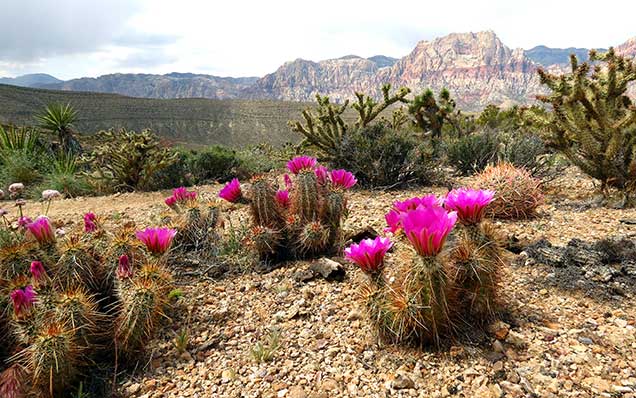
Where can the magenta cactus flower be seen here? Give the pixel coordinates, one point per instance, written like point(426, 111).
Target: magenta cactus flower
point(37, 271)
point(393, 217)
point(42, 230)
point(342, 179)
point(427, 228)
point(22, 300)
point(23, 221)
point(171, 201)
point(232, 191)
point(300, 163)
point(322, 174)
point(369, 254)
point(288, 182)
point(282, 198)
point(90, 222)
point(470, 204)
point(124, 269)
point(181, 194)
point(157, 240)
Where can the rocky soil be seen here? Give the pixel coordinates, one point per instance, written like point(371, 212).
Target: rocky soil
point(557, 340)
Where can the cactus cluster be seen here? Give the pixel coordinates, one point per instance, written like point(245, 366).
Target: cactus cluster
point(440, 290)
point(518, 192)
point(71, 300)
point(303, 219)
point(196, 221)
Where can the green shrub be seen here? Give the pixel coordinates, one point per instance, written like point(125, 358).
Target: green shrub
point(472, 153)
point(177, 174)
point(380, 156)
point(258, 160)
point(213, 163)
point(20, 166)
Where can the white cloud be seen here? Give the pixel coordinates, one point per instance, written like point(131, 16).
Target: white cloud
point(252, 37)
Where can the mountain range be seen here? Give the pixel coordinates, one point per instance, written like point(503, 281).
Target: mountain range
point(478, 69)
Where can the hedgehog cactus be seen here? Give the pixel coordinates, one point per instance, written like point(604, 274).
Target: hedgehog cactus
point(434, 289)
point(62, 299)
point(141, 304)
point(52, 359)
point(476, 258)
point(304, 218)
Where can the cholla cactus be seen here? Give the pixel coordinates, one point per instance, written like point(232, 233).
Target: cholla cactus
point(302, 220)
point(434, 290)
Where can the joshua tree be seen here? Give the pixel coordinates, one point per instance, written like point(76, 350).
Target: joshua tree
point(58, 119)
point(593, 122)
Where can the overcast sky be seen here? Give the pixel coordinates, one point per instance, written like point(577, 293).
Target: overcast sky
point(75, 38)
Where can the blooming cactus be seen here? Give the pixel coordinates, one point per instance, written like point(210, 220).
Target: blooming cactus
point(157, 240)
point(427, 227)
point(470, 204)
point(90, 222)
point(282, 198)
point(42, 230)
point(300, 163)
point(342, 179)
point(394, 217)
point(232, 191)
point(37, 271)
point(322, 174)
point(124, 269)
point(369, 254)
point(22, 300)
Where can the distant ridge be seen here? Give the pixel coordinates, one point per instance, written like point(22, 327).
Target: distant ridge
point(192, 121)
point(477, 67)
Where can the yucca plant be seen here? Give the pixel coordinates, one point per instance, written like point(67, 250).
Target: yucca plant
point(58, 119)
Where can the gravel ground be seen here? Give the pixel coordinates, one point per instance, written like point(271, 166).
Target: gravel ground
point(557, 341)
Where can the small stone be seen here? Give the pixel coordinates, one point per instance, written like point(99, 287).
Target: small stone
point(498, 366)
point(329, 385)
point(499, 329)
point(133, 389)
point(586, 340)
point(402, 382)
point(516, 339)
point(296, 392)
point(227, 375)
point(328, 269)
point(498, 347)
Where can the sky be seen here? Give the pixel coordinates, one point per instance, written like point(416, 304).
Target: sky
point(78, 38)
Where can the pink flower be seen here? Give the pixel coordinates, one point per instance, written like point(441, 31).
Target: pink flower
point(300, 163)
point(282, 197)
point(322, 174)
point(157, 240)
point(22, 300)
point(427, 227)
point(42, 230)
point(369, 254)
point(171, 201)
point(343, 179)
point(23, 221)
point(90, 222)
point(37, 271)
point(232, 191)
point(393, 218)
point(288, 182)
point(124, 270)
point(469, 204)
point(181, 194)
